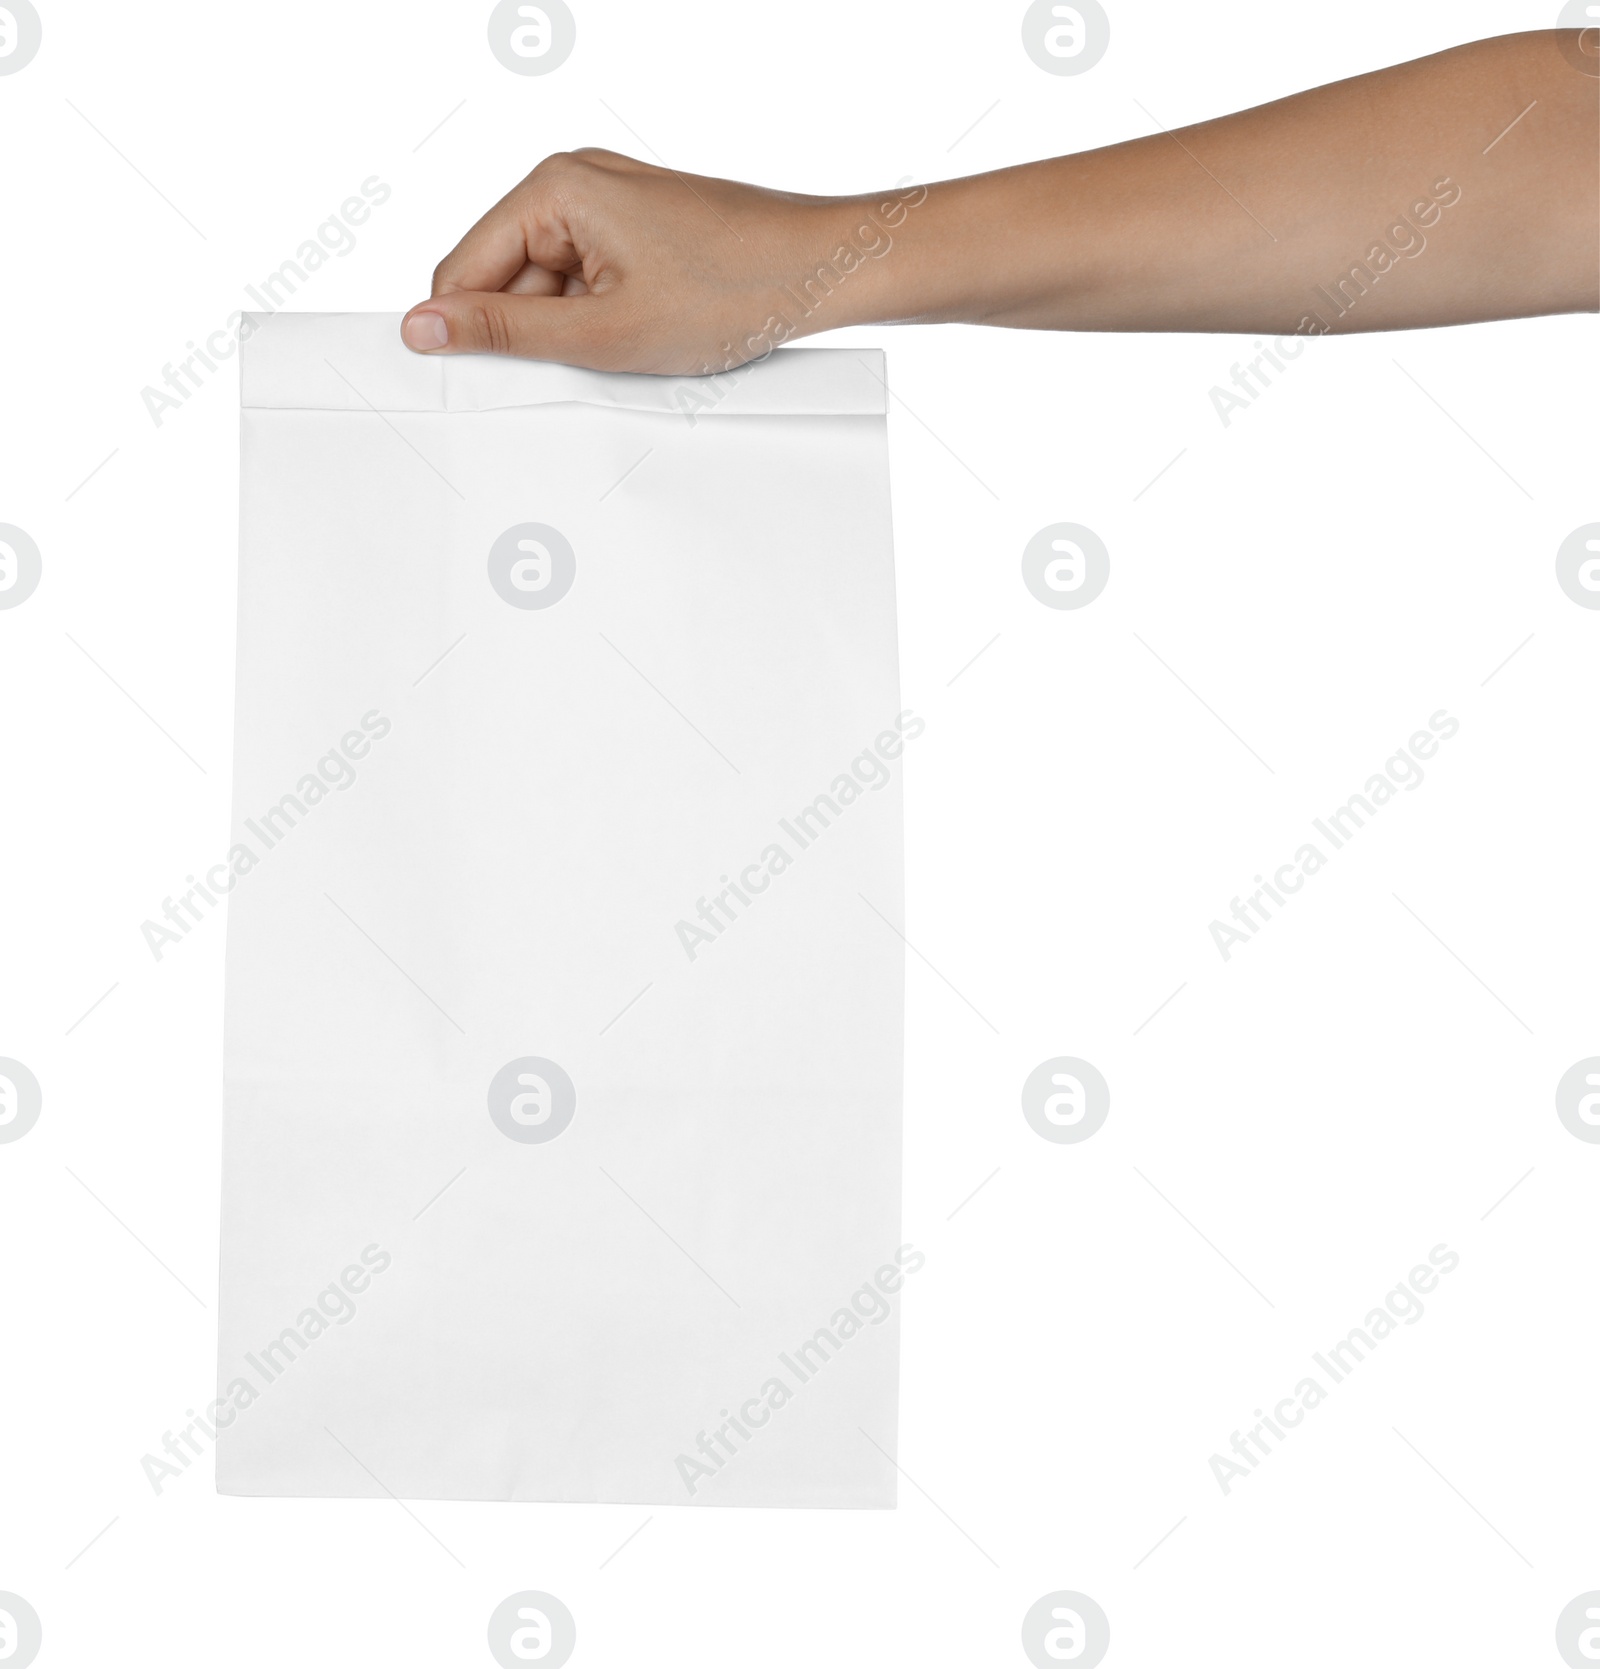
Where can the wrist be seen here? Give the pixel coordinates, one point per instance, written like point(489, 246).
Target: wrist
point(846, 260)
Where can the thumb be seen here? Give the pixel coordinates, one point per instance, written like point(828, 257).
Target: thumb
point(562, 328)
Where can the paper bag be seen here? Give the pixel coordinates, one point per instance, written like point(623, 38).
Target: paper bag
point(564, 973)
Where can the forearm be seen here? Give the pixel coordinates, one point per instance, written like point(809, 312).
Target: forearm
point(1391, 200)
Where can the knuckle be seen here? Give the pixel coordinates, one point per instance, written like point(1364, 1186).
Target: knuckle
point(557, 164)
point(489, 328)
point(576, 167)
point(555, 178)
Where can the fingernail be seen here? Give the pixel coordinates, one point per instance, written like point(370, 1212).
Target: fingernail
point(425, 330)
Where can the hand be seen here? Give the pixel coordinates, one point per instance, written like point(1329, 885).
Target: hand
point(599, 260)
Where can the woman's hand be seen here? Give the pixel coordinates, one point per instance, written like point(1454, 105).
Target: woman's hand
point(599, 260)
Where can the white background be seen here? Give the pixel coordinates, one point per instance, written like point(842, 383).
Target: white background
point(1338, 564)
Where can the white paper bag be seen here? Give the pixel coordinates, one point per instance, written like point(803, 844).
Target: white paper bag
point(564, 1005)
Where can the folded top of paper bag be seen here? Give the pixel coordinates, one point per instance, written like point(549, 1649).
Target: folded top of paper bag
point(356, 362)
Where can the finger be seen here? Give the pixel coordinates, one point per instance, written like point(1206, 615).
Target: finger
point(492, 253)
point(536, 281)
point(563, 328)
point(524, 226)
